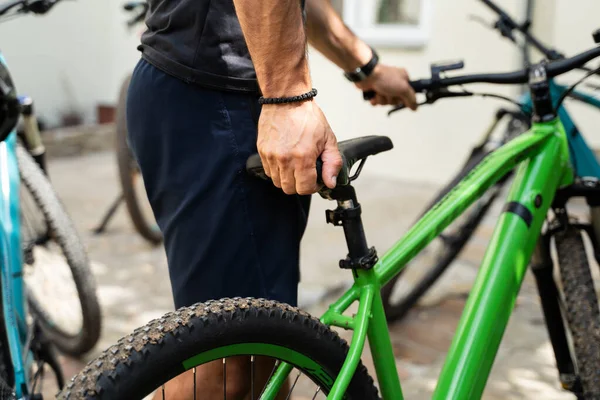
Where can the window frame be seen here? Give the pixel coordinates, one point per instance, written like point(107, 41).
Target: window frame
point(359, 20)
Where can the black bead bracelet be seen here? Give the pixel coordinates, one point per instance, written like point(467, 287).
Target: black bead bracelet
point(282, 100)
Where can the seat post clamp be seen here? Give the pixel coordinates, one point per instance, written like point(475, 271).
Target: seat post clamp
point(364, 262)
point(339, 215)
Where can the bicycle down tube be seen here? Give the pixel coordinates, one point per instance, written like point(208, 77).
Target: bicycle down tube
point(485, 316)
point(11, 268)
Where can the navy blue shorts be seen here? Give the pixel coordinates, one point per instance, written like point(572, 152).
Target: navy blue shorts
point(226, 233)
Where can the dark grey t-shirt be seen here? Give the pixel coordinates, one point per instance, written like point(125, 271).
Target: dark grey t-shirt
point(199, 41)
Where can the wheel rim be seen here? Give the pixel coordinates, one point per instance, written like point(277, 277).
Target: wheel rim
point(305, 373)
point(46, 272)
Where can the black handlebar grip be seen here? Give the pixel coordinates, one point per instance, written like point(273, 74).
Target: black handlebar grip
point(368, 95)
point(420, 85)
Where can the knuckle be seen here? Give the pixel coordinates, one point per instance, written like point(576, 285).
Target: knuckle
point(289, 190)
point(268, 155)
point(305, 191)
point(299, 153)
point(283, 156)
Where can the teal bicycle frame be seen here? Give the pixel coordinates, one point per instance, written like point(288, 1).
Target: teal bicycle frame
point(542, 159)
point(13, 297)
point(583, 158)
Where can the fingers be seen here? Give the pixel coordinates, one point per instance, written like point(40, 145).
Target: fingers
point(306, 179)
point(410, 99)
point(392, 86)
point(382, 100)
point(294, 171)
point(408, 95)
point(332, 162)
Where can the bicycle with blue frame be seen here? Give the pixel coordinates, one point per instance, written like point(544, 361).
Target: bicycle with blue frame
point(419, 277)
point(535, 213)
point(32, 217)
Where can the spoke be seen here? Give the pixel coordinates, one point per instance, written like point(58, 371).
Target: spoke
point(293, 386)
point(317, 392)
point(194, 383)
point(224, 379)
point(252, 377)
point(268, 379)
point(163, 391)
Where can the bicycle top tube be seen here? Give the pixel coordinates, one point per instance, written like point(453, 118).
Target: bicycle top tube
point(553, 69)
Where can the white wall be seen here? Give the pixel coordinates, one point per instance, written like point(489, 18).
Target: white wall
point(80, 47)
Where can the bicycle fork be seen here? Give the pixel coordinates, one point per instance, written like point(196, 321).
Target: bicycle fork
point(31, 133)
point(542, 268)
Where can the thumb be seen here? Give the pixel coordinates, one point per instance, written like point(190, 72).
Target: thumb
point(332, 163)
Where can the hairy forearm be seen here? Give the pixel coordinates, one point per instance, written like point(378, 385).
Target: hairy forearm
point(330, 36)
point(276, 38)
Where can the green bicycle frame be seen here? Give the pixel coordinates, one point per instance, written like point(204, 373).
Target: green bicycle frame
point(541, 157)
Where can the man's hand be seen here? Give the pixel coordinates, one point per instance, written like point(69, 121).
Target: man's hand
point(291, 137)
point(390, 85)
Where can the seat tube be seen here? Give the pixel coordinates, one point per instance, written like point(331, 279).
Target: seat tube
point(493, 296)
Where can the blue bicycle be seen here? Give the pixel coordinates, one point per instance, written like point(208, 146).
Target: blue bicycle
point(417, 278)
point(33, 224)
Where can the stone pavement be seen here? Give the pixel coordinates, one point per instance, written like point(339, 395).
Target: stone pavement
point(133, 281)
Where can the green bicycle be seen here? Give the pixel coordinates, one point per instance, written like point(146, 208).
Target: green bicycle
point(543, 183)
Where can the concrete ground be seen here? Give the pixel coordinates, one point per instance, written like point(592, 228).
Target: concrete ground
point(133, 282)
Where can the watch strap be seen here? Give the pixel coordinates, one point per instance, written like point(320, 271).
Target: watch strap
point(361, 73)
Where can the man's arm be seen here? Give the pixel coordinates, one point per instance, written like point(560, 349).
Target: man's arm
point(291, 137)
point(276, 39)
point(330, 36)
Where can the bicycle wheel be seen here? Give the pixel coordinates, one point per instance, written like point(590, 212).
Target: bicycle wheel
point(131, 179)
point(401, 293)
point(61, 291)
point(215, 330)
point(582, 311)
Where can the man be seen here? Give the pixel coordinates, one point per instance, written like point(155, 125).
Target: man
point(194, 119)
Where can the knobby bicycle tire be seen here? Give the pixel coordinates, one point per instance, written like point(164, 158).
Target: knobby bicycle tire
point(65, 235)
point(582, 310)
point(154, 354)
point(127, 173)
point(397, 311)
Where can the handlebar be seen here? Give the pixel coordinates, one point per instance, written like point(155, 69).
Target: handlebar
point(34, 6)
point(136, 5)
point(506, 25)
point(553, 69)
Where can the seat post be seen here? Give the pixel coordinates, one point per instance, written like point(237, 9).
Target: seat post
point(347, 214)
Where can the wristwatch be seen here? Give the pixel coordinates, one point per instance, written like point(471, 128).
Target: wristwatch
point(361, 73)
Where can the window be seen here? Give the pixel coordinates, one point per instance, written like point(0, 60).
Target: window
point(392, 23)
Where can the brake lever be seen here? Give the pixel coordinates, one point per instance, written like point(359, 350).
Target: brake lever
point(480, 20)
point(432, 97)
point(505, 29)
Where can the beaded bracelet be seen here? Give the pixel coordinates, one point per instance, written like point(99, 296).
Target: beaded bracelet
point(282, 100)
